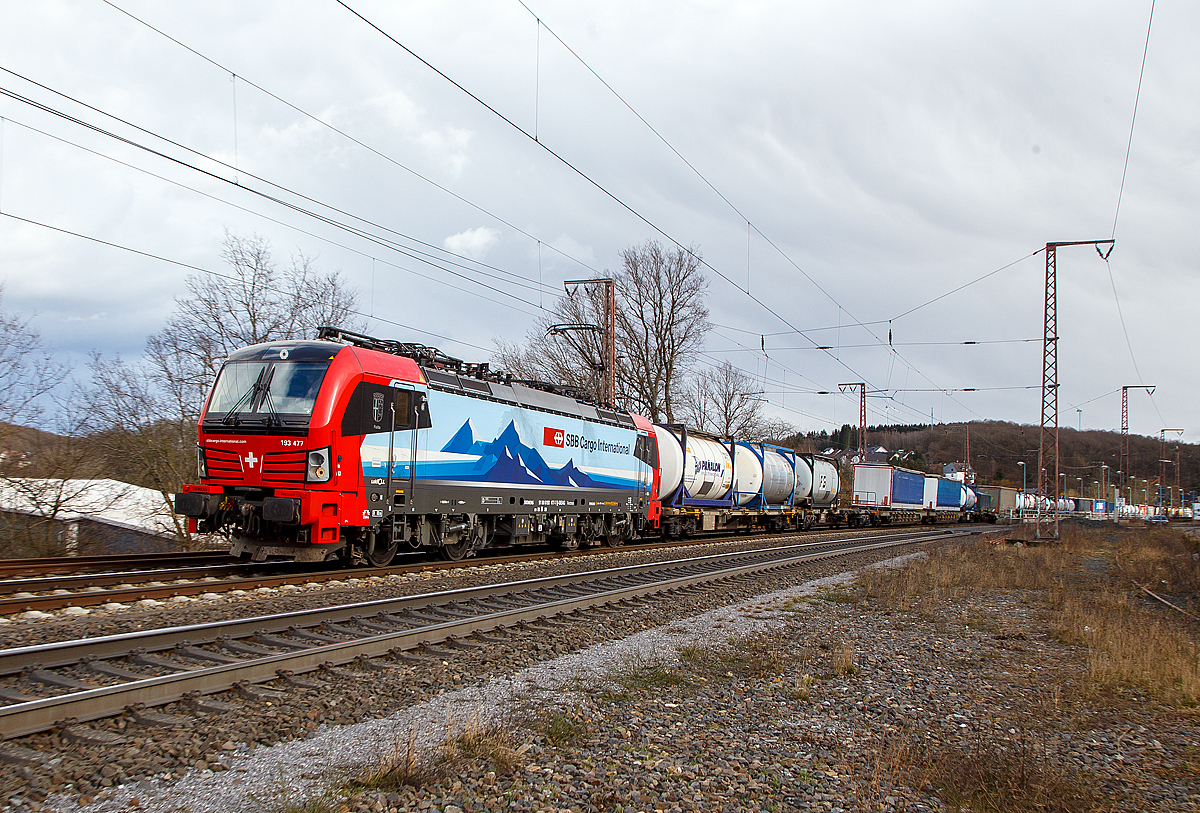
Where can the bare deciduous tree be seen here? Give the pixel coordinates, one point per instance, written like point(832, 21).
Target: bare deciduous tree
point(662, 321)
point(27, 372)
point(143, 416)
point(725, 401)
point(661, 324)
point(260, 303)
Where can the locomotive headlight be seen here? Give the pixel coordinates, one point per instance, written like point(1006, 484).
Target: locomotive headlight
point(318, 470)
point(201, 463)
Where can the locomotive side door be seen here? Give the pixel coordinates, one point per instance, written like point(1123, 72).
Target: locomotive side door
point(408, 414)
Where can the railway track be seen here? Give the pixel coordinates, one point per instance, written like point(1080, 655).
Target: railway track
point(70, 565)
point(68, 683)
point(48, 593)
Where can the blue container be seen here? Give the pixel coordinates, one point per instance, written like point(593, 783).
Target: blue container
point(949, 493)
point(908, 488)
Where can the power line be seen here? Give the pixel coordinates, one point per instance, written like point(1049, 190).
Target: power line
point(598, 186)
point(873, 345)
point(218, 274)
point(351, 138)
point(699, 174)
point(268, 218)
point(416, 254)
point(1133, 121)
point(967, 285)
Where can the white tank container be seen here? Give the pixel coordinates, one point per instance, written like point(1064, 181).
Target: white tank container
point(967, 498)
point(747, 474)
point(779, 478)
point(773, 474)
point(705, 466)
point(825, 481)
point(670, 463)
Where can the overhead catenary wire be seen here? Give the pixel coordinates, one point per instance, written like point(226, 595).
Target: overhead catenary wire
point(873, 345)
point(218, 274)
point(609, 194)
point(1117, 209)
point(741, 215)
point(416, 254)
point(1133, 121)
point(346, 135)
point(266, 217)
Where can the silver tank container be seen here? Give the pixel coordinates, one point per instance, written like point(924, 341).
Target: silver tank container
point(704, 468)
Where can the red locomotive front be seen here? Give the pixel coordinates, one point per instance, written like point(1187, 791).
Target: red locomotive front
point(275, 468)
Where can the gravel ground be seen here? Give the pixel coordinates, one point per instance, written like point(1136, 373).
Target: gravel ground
point(789, 700)
point(179, 739)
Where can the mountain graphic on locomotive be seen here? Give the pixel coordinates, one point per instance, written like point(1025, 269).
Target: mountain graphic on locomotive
point(352, 448)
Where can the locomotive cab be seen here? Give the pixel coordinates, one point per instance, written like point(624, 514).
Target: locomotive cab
point(275, 469)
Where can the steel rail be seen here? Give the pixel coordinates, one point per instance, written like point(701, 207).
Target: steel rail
point(93, 597)
point(79, 564)
point(91, 704)
point(68, 652)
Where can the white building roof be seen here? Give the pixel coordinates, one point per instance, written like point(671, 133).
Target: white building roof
point(108, 501)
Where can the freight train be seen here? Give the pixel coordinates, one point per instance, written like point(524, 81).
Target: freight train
point(354, 448)
point(885, 493)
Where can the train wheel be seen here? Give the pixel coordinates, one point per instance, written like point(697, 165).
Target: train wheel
point(570, 542)
point(457, 550)
point(383, 554)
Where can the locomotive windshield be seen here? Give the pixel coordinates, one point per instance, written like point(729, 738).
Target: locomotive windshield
point(265, 393)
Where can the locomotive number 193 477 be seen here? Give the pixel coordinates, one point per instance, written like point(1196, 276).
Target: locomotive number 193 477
point(289, 442)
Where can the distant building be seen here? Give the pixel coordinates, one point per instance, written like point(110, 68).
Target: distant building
point(846, 457)
point(961, 472)
point(84, 517)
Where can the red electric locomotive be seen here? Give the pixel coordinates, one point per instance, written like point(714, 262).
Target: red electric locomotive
point(352, 447)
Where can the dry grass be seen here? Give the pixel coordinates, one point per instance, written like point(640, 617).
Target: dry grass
point(765, 655)
point(1019, 776)
point(992, 779)
point(1091, 581)
point(843, 659)
point(637, 673)
point(1129, 645)
point(475, 742)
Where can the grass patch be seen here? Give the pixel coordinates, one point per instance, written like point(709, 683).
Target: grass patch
point(638, 673)
point(559, 727)
point(839, 594)
point(762, 656)
point(1017, 776)
point(1090, 581)
point(1014, 779)
point(477, 743)
point(843, 662)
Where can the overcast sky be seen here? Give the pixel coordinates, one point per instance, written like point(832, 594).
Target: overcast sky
point(890, 152)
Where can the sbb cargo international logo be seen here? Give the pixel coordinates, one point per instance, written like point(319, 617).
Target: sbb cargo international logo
point(553, 437)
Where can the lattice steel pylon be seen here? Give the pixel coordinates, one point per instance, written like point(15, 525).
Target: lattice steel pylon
point(862, 416)
point(1048, 436)
point(1125, 422)
point(608, 353)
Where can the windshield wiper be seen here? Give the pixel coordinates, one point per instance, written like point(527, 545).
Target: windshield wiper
point(231, 417)
point(273, 418)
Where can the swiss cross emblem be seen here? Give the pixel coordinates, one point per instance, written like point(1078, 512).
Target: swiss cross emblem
point(251, 460)
point(552, 437)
